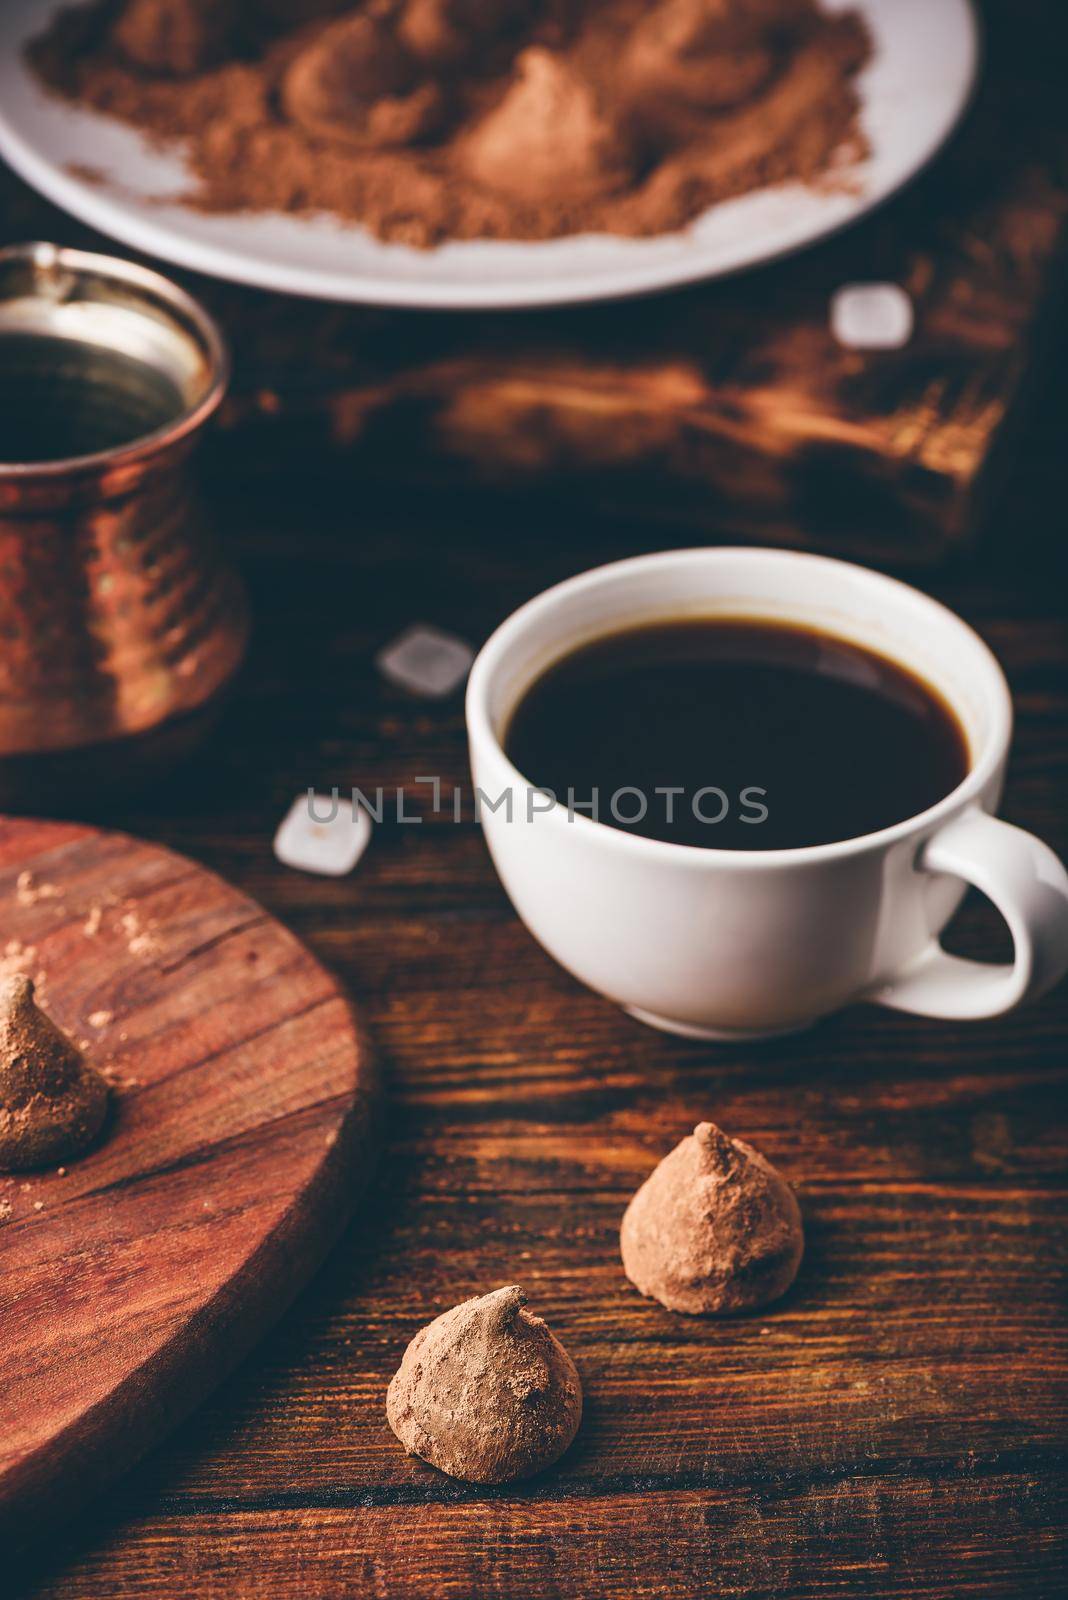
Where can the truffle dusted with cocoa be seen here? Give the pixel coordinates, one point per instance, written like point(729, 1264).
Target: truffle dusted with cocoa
point(175, 37)
point(547, 137)
point(485, 1392)
point(52, 1102)
point(714, 1229)
point(443, 32)
point(688, 56)
point(356, 84)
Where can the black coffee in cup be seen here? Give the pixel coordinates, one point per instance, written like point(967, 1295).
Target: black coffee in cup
point(737, 733)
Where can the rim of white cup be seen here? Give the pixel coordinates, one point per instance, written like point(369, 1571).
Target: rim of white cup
point(487, 662)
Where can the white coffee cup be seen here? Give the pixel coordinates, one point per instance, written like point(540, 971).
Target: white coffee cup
point(733, 944)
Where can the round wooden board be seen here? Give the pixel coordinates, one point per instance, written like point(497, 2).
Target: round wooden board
point(242, 1128)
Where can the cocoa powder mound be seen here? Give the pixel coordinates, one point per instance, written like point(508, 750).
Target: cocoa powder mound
point(428, 120)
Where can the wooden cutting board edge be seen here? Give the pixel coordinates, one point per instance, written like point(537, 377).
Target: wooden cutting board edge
point(165, 1390)
point(228, 1329)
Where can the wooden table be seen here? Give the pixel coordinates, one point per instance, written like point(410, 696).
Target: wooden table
point(895, 1427)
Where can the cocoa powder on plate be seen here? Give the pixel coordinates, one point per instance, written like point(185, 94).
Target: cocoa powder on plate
point(428, 120)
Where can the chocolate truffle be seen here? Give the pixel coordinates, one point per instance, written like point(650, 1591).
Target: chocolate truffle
point(175, 38)
point(485, 1392)
point(715, 1228)
point(547, 136)
point(443, 32)
point(52, 1102)
point(356, 84)
point(686, 57)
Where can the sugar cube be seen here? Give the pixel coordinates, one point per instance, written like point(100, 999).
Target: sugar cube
point(871, 316)
point(322, 833)
point(426, 661)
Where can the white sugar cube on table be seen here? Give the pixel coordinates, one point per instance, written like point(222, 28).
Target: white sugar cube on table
point(426, 661)
point(872, 316)
point(321, 834)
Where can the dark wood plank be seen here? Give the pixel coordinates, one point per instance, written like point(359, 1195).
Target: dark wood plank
point(899, 1429)
point(767, 1540)
point(241, 1129)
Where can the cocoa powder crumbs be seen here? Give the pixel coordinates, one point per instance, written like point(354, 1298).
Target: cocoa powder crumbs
point(428, 120)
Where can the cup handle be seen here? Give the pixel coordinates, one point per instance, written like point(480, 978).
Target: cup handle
point(1029, 886)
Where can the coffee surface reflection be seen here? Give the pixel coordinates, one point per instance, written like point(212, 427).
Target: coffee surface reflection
point(737, 734)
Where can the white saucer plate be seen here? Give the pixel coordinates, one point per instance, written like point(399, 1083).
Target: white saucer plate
point(913, 92)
